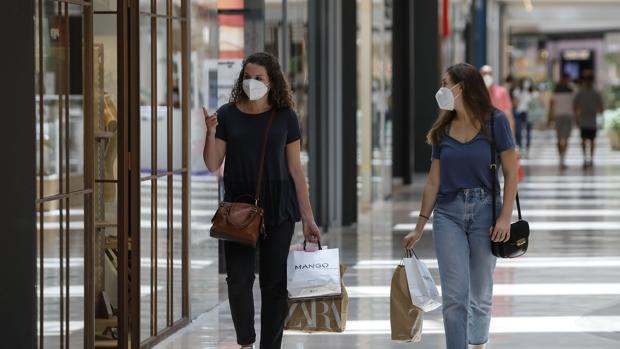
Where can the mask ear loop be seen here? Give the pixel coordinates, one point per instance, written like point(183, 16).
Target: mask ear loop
point(455, 97)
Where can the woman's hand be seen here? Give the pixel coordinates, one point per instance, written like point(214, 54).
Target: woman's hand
point(311, 231)
point(501, 233)
point(210, 120)
point(411, 239)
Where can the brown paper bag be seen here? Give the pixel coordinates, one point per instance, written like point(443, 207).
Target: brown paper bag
point(405, 318)
point(322, 314)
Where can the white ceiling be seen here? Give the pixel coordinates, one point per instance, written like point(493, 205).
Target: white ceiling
point(557, 16)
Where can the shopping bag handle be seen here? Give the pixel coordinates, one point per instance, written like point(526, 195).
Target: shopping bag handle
point(408, 254)
point(318, 242)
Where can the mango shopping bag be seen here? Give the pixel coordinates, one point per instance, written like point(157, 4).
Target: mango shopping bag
point(313, 274)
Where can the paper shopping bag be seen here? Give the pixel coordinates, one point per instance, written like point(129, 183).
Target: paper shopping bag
point(313, 274)
point(405, 318)
point(424, 293)
point(321, 314)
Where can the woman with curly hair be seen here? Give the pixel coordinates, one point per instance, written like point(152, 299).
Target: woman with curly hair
point(236, 132)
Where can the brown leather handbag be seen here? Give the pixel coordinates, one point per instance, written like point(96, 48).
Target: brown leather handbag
point(239, 221)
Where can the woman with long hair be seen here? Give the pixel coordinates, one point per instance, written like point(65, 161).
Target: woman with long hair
point(236, 132)
point(458, 189)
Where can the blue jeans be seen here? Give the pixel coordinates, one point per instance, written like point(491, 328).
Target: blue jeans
point(466, 264)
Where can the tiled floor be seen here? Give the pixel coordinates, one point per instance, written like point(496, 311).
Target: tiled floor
point(565, 293)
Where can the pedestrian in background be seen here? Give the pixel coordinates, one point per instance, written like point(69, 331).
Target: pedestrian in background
point(500, 97)
point(561, 112)
point(535, 112)
point(523, 96)
point(587, 103)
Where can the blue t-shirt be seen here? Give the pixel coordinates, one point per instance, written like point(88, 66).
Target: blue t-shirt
point(466, 165)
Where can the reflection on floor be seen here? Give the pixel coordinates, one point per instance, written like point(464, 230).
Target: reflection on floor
point(565, 293)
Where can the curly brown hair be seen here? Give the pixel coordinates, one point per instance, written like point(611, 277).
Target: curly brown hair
point(280, 95)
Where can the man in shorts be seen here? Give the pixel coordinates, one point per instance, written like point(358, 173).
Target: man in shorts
point(588, 102)
point(561, 111)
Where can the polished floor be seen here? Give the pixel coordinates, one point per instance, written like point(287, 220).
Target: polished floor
point(565, 293)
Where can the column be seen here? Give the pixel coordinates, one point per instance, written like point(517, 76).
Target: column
point(364, 95)
point(17, 151)
point(426, 75)
point(402, 90)
point(332, 109)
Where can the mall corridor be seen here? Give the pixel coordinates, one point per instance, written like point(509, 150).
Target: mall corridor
point(115, 166)
point(564, 293)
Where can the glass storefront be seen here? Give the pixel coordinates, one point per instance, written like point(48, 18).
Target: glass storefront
point(86, 249)
point(164, 166)
point(124, 199)
point(64, 177)
point(203, 251)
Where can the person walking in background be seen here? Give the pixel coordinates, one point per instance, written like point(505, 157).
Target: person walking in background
point(561, 112)
point(523, 96)
point(261, 96)
point(587, 103)
point(535, 112)
point(458, 188)
point(500, 97)
point(510, 86)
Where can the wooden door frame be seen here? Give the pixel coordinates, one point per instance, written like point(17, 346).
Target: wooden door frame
point(129, 157)
point(124, 167)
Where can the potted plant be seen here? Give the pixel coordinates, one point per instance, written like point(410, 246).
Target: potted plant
point(612, 125)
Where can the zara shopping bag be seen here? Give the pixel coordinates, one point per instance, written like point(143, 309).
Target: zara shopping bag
point(313, 274)
point(405, 318)
point(424, 293)
point(321, 314)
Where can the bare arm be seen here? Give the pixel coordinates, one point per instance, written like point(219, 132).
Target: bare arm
point(215, 148)
point(293, 155)
point(509, 115)
point(509, 167)
point(511, 121)
point(429, 197)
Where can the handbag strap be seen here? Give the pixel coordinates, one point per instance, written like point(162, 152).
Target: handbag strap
point(262, 158)
point(493, 168)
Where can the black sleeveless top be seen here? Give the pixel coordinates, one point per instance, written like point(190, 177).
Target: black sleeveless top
point(243, 134)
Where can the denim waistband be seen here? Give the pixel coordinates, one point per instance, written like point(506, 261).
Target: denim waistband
point(467, 195)
point(478, 193)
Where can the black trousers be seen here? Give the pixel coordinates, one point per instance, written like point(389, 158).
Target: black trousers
point(240, 265)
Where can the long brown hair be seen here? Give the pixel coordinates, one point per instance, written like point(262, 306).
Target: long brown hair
point(475, 97)
point(280, 95)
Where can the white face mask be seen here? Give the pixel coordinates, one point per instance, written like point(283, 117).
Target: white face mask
point(254, 89)
point(445, 98)
point(488, 80)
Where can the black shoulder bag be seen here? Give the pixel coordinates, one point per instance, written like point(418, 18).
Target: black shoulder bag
point(520, 230)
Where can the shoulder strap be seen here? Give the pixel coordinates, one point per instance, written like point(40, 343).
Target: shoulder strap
point(493, 168)
point(262, 157)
